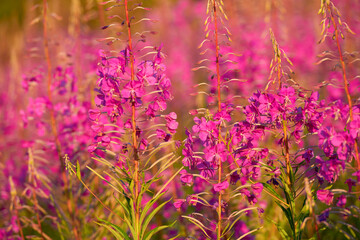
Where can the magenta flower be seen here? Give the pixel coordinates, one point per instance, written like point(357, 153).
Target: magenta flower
point(341, 201)
point(146, 73)
point(206, 170)
point(200, 128)
point(105, 140)
point(234, 178)
point(308, 155)
point(179, 203)
point(189, 158)
point(252, 199)
point(171, 123)
point(143, 144)
point(192, 200)
point(355, 128)
point(221, 186)
point(92, 148)
point(325, 196)
point(257, 189)
point(350, 182)
point(161, 134)
point(133, 89)
point(94, 114)
point(186, 178)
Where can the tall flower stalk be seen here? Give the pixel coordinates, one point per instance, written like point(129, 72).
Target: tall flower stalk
point(67, 191)
point(133, 111)
point(217, 61)
point(332, 19)
point(212, 151)
point(130, 128)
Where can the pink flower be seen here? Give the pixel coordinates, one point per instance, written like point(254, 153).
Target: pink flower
point(178, 203)
point(257, 189)
point(221, 186)
point(350, 182)
point(186, 178)
point(341, 201)
point(192, 200)
point(92, 148)
point(325, 196)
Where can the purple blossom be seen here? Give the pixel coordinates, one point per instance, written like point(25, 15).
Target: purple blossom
point(219, 187)
point(179, 203)
point(234, 178)
point(186, 178)
point(325, 196)
point(133, 91)
point(350, 182)
point(341, 201)
point(257, 189)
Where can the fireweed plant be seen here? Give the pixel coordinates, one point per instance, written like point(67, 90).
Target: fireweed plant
point(284, 156)
point(290, 114)
point(132, 135)
point(218, 151)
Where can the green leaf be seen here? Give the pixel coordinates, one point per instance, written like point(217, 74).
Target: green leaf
point(148, 206)
point(248, 233)
point(102, 178)
point(281, 230)
point(151, 215)
point(115, 230)
point(271, 189)
point(289, 216)
point(199, 224)
point(133, 216)
point(167, 183)
point(234, 214)
point(124, 207)
point(155, 230)
point(305, 211)
point(78, 173)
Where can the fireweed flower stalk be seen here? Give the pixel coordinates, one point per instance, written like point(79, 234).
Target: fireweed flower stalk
point(299, 117)
point(62, 108)
point(339, 134)
point(130, 128)
point(218, 151)
point(290, 115)
point(302, 116)
point(333, 26)
point(70, 114)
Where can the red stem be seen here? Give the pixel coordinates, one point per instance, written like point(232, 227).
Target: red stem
point(133, 110)
point(219, 109)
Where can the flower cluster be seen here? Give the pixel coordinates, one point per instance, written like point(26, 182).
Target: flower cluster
point(117, 93)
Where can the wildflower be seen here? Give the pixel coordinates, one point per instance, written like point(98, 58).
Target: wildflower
point(186, 178)
point(341, 201)
point(221, 186)
point(257, 189)
point(234, 178)
point(350, 182)
point(179, 203)
point(192, 200)
point(325, 196)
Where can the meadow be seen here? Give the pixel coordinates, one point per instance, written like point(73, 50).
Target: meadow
point(180, 119)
